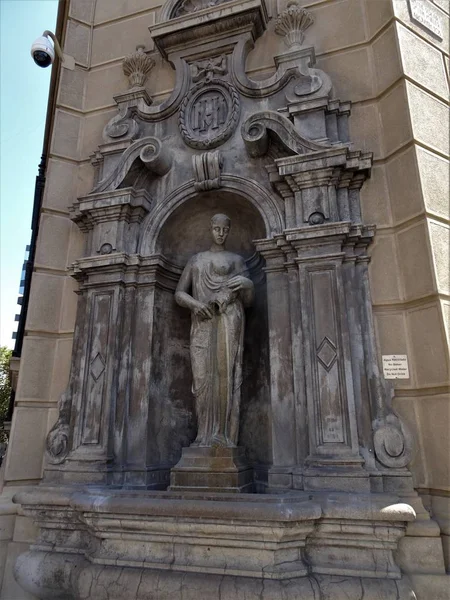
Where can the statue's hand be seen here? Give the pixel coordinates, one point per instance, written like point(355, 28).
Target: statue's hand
point(202, 310)
point(239, 282)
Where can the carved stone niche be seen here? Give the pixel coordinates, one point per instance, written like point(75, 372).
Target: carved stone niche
point(290, 183)
point(328, 454)
point(287, 177)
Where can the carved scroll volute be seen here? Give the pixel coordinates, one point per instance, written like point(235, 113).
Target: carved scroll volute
point(57, 443)
point(137, 66)
point(292, 24)
point(392, 442)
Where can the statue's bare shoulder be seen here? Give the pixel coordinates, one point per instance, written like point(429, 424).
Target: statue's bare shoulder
point(202, 258)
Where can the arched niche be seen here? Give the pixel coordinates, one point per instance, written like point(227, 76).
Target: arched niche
point(187, 230)
point(184, 232)
point(266, 206)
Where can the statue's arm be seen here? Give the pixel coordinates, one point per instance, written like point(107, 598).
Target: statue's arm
point(243, 284)
point(182, 297)
point(248, 294)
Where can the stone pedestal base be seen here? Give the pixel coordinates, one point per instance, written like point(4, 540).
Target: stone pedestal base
point(338, 480)
point(212, 469)
point(70, 577)
point(108, 544)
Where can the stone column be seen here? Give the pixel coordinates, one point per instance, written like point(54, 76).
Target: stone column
point(298, 364)
point(140, 376)
point(93, 407)
point(121, 409)
point(333, 436)
point(144, 467)
point(81, 446)
point(283, 413)
point(355, 260)
point(87, 444)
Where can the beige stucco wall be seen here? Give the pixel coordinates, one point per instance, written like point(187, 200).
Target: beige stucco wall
point(396, 74)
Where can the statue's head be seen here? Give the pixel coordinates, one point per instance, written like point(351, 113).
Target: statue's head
point(220, 228)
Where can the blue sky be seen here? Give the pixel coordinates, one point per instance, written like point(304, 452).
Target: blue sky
point(23, 104)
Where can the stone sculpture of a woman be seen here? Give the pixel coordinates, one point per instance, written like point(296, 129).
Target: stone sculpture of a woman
point(216, 288)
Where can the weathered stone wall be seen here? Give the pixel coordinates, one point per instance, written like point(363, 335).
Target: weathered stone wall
point(407, 198)
point(395, 72)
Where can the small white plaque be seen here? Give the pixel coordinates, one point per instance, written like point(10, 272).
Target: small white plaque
point(425, 14)
point(395, 366)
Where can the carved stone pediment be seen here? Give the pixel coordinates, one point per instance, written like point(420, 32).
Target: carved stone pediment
point(208, 24)
point(208, 49)
point(174, 9)
point(190, 6)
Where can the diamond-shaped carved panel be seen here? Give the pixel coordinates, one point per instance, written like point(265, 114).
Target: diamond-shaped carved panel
point(326, 353)
point(97, 366)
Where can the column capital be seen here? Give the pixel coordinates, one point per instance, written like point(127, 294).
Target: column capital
point(110, 218)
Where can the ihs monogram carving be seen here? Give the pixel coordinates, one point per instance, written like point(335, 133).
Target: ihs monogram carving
point(208, 68)
point(209, 114)
point(190, 6)
point(137, 66)
point(292, 24)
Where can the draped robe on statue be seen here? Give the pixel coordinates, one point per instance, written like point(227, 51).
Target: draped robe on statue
point(216, 347)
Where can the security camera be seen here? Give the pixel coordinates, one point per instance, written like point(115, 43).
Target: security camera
point(43, 52)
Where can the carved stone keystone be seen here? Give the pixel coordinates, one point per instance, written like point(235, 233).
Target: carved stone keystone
point(207, 167)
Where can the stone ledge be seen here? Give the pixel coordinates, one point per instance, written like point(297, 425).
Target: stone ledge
point(293, 537)
point(87, 581)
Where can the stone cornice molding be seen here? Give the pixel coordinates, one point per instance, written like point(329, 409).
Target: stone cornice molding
point(322, 185)
point(212, 23)
point(108, 206)
point(337, 241)
point(327, 165)
point(127, 270)
point(112, 219)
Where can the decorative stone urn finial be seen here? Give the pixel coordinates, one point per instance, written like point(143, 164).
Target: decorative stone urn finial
point(136, 67)
point(292, 24)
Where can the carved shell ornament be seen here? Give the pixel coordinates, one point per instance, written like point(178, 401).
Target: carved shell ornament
point(292, 24)
point(137, 66)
